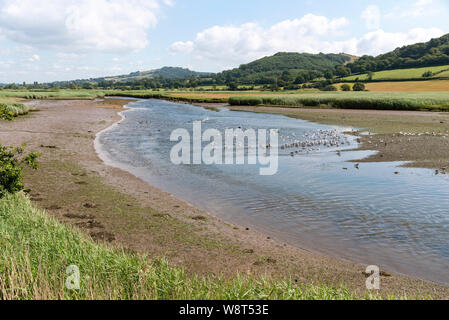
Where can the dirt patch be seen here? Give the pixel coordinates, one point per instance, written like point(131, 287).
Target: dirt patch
point(78, 216)
point(91, 224)
point(103, 236)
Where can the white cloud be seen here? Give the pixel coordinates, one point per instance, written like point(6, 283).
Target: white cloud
point(169, 3)
point(372, 17)
point(237, 44)
point(420, 8)
point(234, 45)
point(379, 41)
point(80, 25)
point(34, 58)
point(181, 47)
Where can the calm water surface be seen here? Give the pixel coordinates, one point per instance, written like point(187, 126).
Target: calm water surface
point(367, 215)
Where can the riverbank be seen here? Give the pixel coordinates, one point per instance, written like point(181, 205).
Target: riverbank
point(110, 205)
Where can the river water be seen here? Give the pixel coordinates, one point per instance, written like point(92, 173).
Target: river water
point(317, 200)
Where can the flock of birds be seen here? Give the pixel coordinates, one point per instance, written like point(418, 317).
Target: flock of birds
point(311, 142)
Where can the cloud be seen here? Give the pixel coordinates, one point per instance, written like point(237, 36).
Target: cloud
point(420, 8)
point(372, 17)
point(234, 45)
point(80, 25)
point(181, 47)
point(34, 58)
point(169, 3)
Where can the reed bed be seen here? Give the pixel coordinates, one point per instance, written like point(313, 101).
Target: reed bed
point(61, 94)
point(435, 101)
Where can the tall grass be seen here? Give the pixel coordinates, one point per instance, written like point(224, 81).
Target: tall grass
point(10, 110)
point(167, 95)
point(353, 100)
point(36, 249)
point(46, 94)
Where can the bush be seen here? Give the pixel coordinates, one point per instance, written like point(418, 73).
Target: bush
point(5, 113)
point(358, 87)
point(8, 111)
point(329, 88)
point(12, 162)
point(345, 87)
point(427, 74)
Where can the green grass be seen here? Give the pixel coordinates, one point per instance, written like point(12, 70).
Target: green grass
point(436, 101)
point(59, 94)
point(37, 249)
point(399, 74)
point(192, 97)
point(9, 110)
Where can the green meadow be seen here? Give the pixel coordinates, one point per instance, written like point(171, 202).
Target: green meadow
point(403, 74)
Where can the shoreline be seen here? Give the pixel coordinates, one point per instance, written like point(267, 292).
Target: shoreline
point(266, 256)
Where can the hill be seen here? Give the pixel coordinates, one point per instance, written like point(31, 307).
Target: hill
point(165, 72)
point(428, 54)
point(285, 66)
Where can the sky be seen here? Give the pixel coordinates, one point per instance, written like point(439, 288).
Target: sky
point(55, 40)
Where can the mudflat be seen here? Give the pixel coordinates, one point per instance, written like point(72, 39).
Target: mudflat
point(420, 138)
point(113, 206)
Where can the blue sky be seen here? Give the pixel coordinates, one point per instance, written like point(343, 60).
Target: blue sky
point(49, 40)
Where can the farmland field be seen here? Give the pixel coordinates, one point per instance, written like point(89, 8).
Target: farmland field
point(407, 86)
point(402, 74)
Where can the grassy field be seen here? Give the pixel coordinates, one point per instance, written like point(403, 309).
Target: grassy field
point(382, 96)
point(59, 94)
point(186, 96)
point(406, 86)
point(414, 73)
point(37, 249)
point(352, 100)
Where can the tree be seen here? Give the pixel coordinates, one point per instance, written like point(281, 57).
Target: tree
point(12, 162)
point(345, 87)
point(329, 74)
point(358, 87)
point(329, 88)
point(233, 86)
point(342, 71)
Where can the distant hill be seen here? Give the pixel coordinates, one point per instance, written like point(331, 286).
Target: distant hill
point(428, 54)
point(165, 72)
point(287, 64)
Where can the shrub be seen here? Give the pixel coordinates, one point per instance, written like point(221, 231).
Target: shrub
point(329, 88)
point(427, 74)
point(8, 111)
point(358, 87)
point(12, 162)
point(345, 87)
point(5, 112)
